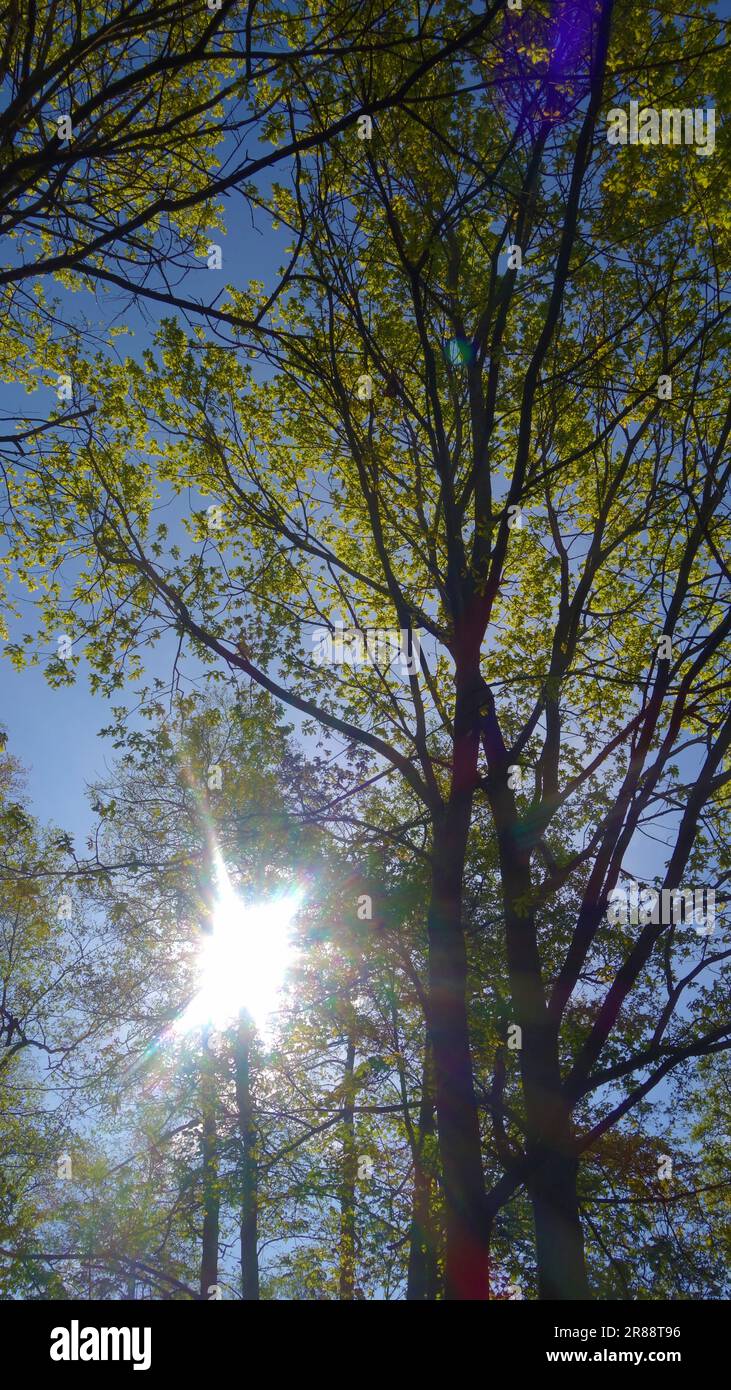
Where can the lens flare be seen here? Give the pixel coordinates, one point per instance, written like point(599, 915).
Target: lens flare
point(243, 960)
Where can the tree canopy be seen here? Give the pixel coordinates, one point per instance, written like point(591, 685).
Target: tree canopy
point(453, 498)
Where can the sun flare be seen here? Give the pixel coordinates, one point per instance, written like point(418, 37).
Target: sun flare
point(243, 960)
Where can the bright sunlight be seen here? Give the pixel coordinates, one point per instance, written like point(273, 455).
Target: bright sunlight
point(243, 961)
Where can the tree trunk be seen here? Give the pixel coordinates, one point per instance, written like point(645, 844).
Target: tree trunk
point(549, 1147)
point(422, 1278)
point(553, 1167)
point(211, 1199)
point(559, 1237)
point(347, 1181)
point(249, 1170)
point(423, 1275)
point(466, 1259)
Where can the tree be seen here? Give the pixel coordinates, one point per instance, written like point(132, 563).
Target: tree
point(56, 971)
point(122, 130)
point(235, 1126)
point(493, 418)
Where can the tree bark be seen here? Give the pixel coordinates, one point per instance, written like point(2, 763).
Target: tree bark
point(347, 1181)
point(466, 1256)
point(249, 1169)
point(559, 1236)
point(211, 1198)
point(553, 1169)
point(552, 1165)
point(422, 1279)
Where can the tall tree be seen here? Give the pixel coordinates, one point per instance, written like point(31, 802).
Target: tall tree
point(494, 417)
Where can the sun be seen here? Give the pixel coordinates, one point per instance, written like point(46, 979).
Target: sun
point(243, 960)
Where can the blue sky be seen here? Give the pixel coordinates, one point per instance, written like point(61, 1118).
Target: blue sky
point(54, 733)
